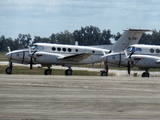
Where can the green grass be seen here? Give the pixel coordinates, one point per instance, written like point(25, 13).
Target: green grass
point(40, 71)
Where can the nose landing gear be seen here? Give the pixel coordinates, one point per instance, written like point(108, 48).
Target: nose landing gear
point(9, 68)
point(105, 72)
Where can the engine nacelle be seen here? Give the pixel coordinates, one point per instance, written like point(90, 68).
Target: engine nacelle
point(145, 61)
point(115, 59)
point(46, 57)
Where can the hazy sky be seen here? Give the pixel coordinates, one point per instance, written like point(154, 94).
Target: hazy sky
point(44, 17)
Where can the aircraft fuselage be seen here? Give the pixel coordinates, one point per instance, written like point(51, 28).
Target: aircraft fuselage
point(51, 54)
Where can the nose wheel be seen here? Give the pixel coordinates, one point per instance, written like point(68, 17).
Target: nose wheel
point(145, 74)
point(105, 72)
point(9, 69)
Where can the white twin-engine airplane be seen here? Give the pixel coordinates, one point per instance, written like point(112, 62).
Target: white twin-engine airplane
point(138, 55)
point(67, 55)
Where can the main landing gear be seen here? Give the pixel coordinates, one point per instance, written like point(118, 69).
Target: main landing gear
point(68, 72)
point(48, 71)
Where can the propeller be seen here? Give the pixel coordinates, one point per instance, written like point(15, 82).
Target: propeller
point(106, 63)
point(10, 63)
point(129, 61)
point(31, 54)
point(128, 68)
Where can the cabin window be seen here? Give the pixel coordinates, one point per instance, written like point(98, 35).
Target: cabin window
point(76, 50)
point(59, 49)
point(64, 49)
point(93, 51)
point(152, 50)
point(157, 51)
point(53, 48)
point(69, 49)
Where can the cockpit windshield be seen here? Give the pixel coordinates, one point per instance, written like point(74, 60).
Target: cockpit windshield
point(130, 49)
point(34, 47)
point(133, 49)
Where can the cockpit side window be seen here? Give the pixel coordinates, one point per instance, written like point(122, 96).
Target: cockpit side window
point(40, 47)
point(133, 49)
point(137, 50)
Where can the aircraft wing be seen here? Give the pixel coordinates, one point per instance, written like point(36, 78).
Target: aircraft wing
point(76, 57)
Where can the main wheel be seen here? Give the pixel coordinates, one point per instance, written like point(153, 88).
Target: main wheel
point(8, 70)
point(68, 72)
point(48, 72)
point(103, 73)
point(145, 74)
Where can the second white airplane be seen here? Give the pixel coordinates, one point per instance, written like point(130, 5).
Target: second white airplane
point(137, 55)
point(67, 55)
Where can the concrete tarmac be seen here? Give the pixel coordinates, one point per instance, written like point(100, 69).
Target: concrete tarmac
point(26, 97)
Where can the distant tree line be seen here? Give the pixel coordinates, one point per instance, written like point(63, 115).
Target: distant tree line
point(86, 36)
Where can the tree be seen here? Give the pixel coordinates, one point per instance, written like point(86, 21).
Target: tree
point(91, 35)
point(64, 37)
point(24, 40)
point(53, 38)
point(116, 37)
point(2, 39)
point(105, 37)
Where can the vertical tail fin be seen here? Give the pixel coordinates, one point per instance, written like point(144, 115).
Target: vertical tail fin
point(129, 37)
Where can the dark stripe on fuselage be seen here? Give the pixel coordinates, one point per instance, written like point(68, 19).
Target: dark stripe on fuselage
point(23, 56)
point(119, 64)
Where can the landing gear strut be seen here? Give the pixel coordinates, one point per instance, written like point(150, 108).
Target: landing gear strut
point(68, 72)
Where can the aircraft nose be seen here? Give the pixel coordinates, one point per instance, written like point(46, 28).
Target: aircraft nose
point(8, 55)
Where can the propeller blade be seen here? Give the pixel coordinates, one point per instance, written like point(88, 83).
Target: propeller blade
point(128, 68)
point(131, 54)
point(29, 49)
point(125, 52)
point(104, 53)
point(9, 50)
point(31, 63)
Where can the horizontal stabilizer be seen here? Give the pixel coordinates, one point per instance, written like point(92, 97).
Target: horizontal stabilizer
point(140, 30)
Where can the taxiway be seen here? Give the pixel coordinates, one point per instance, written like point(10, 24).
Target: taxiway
point(79, 97)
